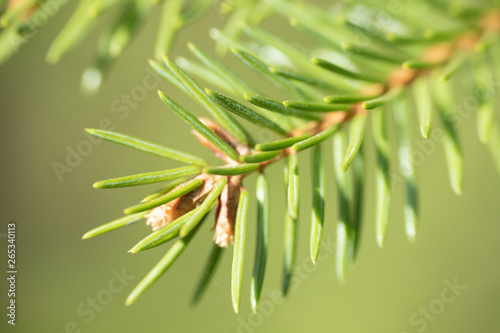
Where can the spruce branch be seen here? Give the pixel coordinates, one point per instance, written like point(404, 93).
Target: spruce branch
point(329, 96)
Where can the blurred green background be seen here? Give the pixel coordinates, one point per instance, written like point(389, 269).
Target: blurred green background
point(42, 119)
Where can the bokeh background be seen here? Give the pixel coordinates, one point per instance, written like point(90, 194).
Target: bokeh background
point(43, 115)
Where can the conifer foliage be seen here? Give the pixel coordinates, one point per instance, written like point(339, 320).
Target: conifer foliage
point(371, 60)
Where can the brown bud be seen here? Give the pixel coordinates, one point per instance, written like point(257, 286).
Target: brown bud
point(331, 119)
point(12, 4)
point(164, 214)
point(491, 21)
point(438, 53)
point(402, 77)
point(468, 40)
point(225, 212)
point(239, 147)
